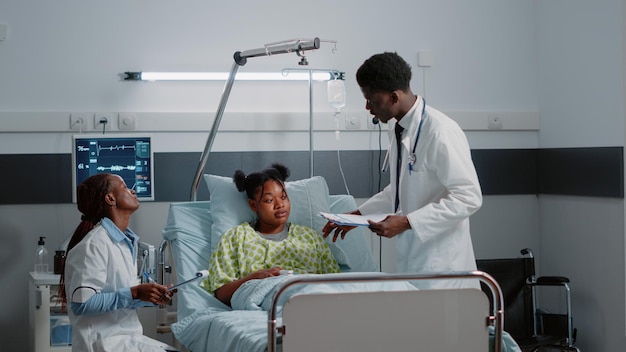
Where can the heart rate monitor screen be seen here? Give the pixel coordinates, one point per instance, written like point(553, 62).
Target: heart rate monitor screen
point(129, 156)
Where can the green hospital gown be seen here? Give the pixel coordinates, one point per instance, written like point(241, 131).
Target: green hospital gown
point(242, 251)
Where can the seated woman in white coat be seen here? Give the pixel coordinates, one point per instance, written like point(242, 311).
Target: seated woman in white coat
point(99, 282)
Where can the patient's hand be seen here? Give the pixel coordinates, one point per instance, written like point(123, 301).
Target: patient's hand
point(225, 293)
point(337, 230)
point(265, 273)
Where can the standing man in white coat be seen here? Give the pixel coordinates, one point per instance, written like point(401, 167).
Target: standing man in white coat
point(434, 187)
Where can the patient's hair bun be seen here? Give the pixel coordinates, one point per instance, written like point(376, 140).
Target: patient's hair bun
point(250, 183)
point(240, 180)
point(280, 170)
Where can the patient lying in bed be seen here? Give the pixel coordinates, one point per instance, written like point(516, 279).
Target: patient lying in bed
point(270, 245)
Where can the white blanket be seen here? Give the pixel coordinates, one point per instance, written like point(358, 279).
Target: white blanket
point(244, 328)
point(253, 293)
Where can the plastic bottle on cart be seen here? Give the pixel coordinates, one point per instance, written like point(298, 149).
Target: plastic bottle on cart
point(41, 256)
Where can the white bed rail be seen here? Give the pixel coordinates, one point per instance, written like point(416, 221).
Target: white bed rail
point(496, 319)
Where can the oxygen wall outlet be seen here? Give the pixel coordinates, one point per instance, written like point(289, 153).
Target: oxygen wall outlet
point(425, 59)
point(3, 31)
point(78, 121)
point(126, 121)
point(494, 122)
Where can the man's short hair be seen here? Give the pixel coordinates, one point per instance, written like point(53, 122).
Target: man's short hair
point(384, 72)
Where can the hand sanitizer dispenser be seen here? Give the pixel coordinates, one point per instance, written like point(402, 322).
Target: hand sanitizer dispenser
point(41, 257)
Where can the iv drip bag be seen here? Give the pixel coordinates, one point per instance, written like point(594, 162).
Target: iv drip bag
point(336, 93)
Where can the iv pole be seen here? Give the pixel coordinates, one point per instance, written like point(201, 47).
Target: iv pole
point(298, 46)
point(240, 59)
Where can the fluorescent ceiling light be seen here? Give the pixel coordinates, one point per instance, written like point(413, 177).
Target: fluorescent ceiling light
point(286, 75)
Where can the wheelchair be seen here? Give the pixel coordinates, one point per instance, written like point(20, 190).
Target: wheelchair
point(533, 328)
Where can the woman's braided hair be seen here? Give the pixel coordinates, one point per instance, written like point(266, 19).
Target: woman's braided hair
point(90, 202)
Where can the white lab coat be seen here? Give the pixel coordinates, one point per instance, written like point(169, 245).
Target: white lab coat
point(438, 197)
point(95, 264)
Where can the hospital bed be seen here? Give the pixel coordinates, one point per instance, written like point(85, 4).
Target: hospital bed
point(360, 309)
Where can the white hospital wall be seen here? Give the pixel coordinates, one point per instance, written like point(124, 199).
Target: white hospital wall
point(64, 56)
point(581, 99)
point(56, 48)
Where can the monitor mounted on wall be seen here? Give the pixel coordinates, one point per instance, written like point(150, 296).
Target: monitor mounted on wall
point(127, 155)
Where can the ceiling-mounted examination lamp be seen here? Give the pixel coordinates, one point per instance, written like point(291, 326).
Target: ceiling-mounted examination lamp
point(299, 46)
point(223, 76)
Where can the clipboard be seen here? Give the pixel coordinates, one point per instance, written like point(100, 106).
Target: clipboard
point(353, 219)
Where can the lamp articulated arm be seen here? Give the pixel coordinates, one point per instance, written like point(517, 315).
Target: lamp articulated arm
point(298, 46)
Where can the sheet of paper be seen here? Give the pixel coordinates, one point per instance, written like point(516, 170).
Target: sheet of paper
point(353, 220)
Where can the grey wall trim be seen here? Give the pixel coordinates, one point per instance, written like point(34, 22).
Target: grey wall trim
point(506, 171)
point(595, 172)
point(175, 171)
point(35, 178)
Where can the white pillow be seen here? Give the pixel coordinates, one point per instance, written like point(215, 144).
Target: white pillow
point(308, 197)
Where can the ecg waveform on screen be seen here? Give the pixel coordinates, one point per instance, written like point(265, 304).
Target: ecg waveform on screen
point(110, 148)
point(116, 168)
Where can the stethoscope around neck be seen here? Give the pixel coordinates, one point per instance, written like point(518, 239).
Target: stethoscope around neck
point(412, 158)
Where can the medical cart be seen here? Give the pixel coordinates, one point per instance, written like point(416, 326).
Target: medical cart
point(48, 324)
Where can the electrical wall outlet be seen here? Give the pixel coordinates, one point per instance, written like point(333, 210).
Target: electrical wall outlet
point(79, 121)
point(370, 122)
point(102, 121)
point(352, 122)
